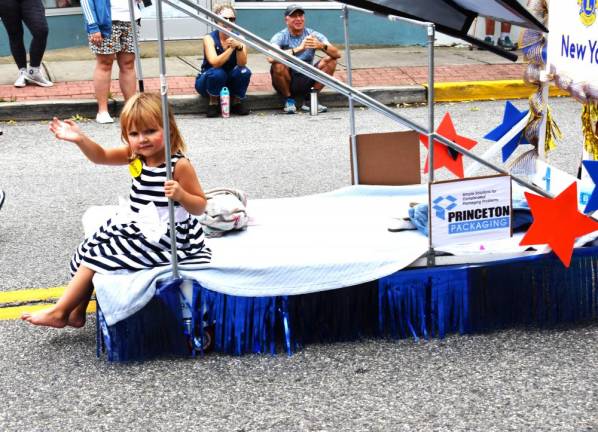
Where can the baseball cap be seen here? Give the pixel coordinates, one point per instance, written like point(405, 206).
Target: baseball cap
point(292, 8)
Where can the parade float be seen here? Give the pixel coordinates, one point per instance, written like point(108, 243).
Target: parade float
point(491, 252)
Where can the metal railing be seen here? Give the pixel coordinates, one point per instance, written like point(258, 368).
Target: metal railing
point(233, 30)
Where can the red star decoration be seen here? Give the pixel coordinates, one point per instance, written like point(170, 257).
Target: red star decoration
point(557, 222)
point(442, 157)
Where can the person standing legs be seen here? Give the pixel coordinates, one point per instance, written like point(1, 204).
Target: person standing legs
point(119, 45)
point(504, 41)
point(102, 75)
point(489, 39)
point(31, 12)
point(10, 12)
point(127, 80)
point(34, 17)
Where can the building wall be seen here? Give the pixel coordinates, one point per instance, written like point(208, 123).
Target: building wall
point(364, 29)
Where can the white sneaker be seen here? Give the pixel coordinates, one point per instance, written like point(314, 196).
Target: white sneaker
point(35, 76)
point(104, 118)
point(20, 82)
point(321, 108)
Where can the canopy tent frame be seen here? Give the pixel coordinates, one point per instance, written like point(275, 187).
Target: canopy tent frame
point(166, 127)
point(234, 30)
point(138, 69)
point(455, 17)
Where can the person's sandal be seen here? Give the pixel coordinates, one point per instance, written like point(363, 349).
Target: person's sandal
point(213, 111)
point(240, 108)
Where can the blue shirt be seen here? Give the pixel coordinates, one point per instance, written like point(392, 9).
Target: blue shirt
point(228, 65)
point(285, 40)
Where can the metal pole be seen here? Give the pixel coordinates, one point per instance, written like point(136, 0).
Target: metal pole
point(166, 127)
point(431, 125)
point(351, 105)
point(136, 45)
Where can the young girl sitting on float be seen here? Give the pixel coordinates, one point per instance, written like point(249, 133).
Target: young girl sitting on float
point(120, 243)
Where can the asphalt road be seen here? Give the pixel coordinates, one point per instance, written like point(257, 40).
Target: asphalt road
point(518, 379)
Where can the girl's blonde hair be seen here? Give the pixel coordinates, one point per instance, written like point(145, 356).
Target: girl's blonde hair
point(143, 111)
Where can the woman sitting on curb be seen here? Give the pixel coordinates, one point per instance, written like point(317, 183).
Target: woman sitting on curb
point(224, 65)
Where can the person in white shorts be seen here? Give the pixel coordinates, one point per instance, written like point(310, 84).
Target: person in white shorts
point(110, 36)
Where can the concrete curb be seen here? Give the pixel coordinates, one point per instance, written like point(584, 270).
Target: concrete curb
point(487, 90)
point(193, 104)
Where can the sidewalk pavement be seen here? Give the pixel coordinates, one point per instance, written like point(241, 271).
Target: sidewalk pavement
point(392, 75)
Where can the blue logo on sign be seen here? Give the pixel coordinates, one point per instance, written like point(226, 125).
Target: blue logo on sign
point(444, 204)
point(587, 11)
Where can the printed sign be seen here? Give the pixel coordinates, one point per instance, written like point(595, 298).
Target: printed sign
point(573, 39)
point(470, 210)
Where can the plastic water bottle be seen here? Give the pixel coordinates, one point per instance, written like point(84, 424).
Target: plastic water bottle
point(313, 102)
point(225, 102)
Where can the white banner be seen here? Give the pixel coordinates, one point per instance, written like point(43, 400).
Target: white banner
point(470, 210)
point(573, 39)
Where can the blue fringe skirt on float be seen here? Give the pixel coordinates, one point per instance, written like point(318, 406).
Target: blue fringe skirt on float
point(419, 303)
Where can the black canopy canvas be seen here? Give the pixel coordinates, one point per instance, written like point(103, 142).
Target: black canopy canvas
point(455, 17)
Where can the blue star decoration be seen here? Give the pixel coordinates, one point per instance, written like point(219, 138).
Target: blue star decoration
point(592, 169)
point(511, 117)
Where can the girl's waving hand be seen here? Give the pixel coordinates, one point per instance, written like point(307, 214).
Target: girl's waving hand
point(68, 130)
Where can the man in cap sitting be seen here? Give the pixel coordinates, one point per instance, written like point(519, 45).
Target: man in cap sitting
point(301, 42)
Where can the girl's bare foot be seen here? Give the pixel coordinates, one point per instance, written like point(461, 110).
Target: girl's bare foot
point(76, 319)
point(78, 315)
point(47, 317)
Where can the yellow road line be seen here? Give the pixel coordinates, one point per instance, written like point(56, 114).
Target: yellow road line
point(15, 312)
point(30, 295)
point(487, 90)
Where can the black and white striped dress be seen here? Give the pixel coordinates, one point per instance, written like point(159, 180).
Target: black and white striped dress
point(122, 246)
